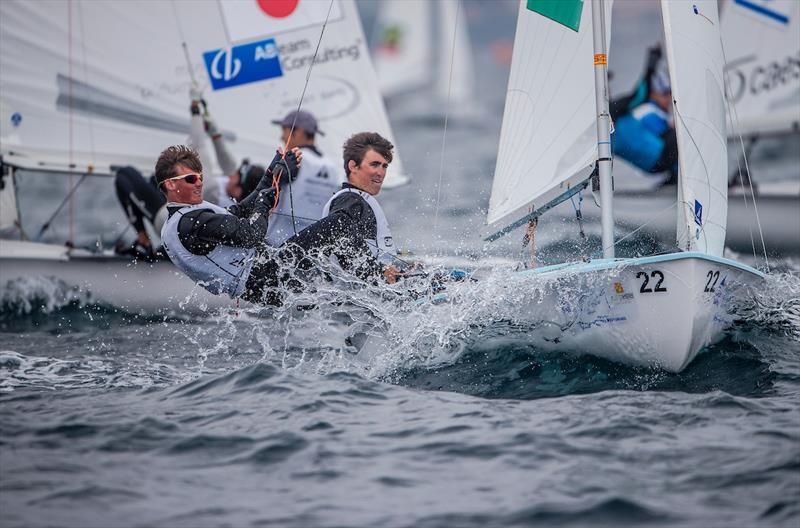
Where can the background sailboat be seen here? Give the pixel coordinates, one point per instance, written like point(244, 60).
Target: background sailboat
point(89, 86)
point(424, 60)
point(658, 310)
point(765, 112)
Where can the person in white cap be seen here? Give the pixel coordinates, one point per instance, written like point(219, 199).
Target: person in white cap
point(302, 197)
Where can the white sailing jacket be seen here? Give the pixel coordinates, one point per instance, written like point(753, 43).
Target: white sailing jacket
point(382, 248)
point(223, 270)
point(316, 181)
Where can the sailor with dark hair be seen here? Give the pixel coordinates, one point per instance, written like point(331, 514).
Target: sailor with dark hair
point(217, 247)
point(354, 231)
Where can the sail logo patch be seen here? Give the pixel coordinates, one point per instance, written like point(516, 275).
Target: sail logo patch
point(257, 61)
point(764, 9)
point(698, 213)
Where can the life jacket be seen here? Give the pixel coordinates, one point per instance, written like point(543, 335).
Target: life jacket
point(382, 248)
point(316, 181)
point(224, 269)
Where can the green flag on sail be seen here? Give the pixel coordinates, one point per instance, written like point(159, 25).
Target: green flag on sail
point(565, 12)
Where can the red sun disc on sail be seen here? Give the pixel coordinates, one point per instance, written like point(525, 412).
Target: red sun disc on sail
point(278, 8)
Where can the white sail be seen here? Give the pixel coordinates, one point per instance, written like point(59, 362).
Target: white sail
point(107, 82)
point(548, 141)
point(402, 54)
point(761, 39)
point(694, 51)
point(459, 85)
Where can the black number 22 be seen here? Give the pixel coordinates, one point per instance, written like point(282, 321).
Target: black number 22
point(653, 275)
point(712, 276)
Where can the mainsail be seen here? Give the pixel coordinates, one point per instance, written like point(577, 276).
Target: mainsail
point(107, 83)
point(548, 141)
point(762, 51)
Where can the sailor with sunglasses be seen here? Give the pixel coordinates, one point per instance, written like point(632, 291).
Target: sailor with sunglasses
point(214, 246)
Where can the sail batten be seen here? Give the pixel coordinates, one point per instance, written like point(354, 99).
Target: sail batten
point(121, 95)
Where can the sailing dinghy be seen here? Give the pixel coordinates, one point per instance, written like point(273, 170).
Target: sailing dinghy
point(763, 87)
point(86, 87)
point(658, 310)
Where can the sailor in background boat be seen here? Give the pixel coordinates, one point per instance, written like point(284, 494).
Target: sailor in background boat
point(644, 133)
point(141, 201)
point(242, 178)
point(304, 196)
point(216, 247)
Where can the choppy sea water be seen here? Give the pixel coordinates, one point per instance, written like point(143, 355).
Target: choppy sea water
point(268, 419)
point(265, 418)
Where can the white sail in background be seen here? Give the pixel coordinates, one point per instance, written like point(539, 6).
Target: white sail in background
point(548, 141)
point(694, 52)
point(461, 86)
point(103, 83)
point(761, 39)
point(402, 55)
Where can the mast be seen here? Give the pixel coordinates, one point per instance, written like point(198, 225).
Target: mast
point(603, 128)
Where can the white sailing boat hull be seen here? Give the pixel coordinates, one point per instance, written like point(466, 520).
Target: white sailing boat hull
point(33, 270)
point(658, 311)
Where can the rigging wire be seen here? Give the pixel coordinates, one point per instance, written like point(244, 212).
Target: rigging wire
point(294, 122)
point(708, 178)
point(653, 219)
point(734, 116)
point(446, 116)
point(71, 125)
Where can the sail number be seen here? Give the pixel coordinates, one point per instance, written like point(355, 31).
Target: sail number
point(711, 283)
point(657, 288)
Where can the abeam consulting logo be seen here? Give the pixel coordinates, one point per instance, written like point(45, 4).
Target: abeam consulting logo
point(256, 61)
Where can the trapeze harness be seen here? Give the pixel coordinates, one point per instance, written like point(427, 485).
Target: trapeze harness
point(383, 248)
point(224, 269)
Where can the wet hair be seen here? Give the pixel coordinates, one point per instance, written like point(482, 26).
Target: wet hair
point(249, 177)
point(357, 146)
point(173, 156)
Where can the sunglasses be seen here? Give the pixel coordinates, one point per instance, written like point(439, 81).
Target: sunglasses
point(190, 178)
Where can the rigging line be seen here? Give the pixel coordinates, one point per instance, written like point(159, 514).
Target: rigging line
point(446, 116)
point(189, 66)
point(299, 105)
point(705, 167)
point(222, 18)
point(734, 115)
point(86, 79)
point(66, 199)
point(71, 127)
point(653, 219)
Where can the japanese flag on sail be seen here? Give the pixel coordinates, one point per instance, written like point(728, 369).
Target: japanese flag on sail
point(249, 19)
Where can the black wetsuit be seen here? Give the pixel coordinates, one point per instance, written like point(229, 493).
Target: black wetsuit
point(139, 198)
point(342, 233)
